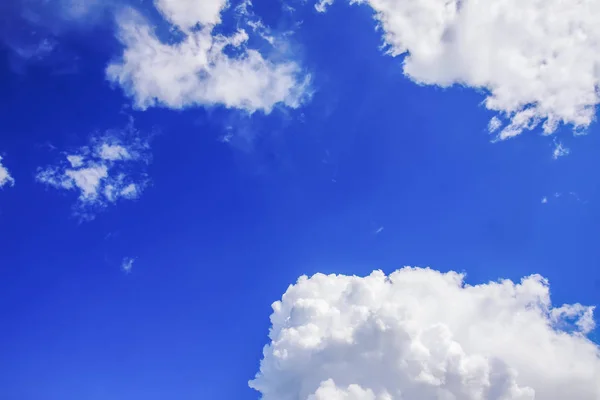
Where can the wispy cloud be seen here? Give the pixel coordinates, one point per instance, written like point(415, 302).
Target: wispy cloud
point(494, 124)
point(558, 195)
point(108, 169)
point(35, 51)
point(127, 264)
point(559, 150)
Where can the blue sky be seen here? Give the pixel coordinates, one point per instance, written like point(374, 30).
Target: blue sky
point(155, 281)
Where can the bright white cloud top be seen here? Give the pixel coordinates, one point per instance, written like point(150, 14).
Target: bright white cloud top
point(537, 60)
point(422, 334)
point(203, 68)
point(5, 177)
point(110, 168)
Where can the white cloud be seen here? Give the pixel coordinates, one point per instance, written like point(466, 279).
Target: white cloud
point(559, 151)
point(200, 70)
point(75, 160)
point(538, 61)
point(494, 124)
point(130, 191)
point(329, 391)
point(422, 334)
point(5, 177)
point(569, 195)
point(113, 152)
point(322, 5)
point(110, 168)
point(88, 179)
point(127, 264)
point(188, 13)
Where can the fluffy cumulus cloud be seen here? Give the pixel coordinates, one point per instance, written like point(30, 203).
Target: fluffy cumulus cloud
point(110, 168)
point(537, 60)
point(5, 177)
point(422, 334)
point(202, 68)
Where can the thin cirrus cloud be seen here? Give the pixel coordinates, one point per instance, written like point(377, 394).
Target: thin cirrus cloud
point(422, 334)
point(109, 169)
point(200, 70)
point(5, 177)
point(537, 61)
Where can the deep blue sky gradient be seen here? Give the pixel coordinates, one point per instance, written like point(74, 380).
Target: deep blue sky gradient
point(225, 227)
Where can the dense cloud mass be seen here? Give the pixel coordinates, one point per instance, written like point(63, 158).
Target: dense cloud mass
point(199, 69)
point(538, 60)
point(422, 334)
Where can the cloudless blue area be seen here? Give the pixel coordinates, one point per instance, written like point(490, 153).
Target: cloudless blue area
point(226, 227)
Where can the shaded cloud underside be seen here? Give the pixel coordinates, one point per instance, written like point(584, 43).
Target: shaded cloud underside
point(422, 334)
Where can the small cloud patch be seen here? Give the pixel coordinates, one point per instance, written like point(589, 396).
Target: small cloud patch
point(569, 195)
point(559, 151)
point(5, 177)
point(127, 264)
point(494, 124)
point(110, 168)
